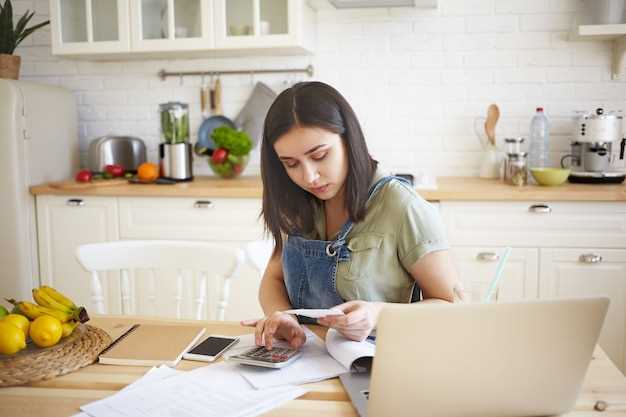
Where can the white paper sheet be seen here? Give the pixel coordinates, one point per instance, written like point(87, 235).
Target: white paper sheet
point(315, 313)
point(154, 374)
point(214, 390)
point(315, 364)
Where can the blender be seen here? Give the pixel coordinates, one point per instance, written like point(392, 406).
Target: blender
point(175, 152)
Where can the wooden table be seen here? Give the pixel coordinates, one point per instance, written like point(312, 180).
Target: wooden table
point(63, 395)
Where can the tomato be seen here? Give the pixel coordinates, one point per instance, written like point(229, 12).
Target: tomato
point(219, 155)
point(84, 175)
point(115, 170)
point(237, 169)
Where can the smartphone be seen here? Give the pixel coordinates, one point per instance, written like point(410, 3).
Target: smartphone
point(259, 356)
point(210, 348)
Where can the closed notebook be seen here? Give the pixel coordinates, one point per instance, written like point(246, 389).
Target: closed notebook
point(152, 345)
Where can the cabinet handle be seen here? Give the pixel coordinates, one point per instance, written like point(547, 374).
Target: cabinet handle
point(590, 258)
point(487, 257)
point(75, 202)
point(540, 208)
point(203, 204)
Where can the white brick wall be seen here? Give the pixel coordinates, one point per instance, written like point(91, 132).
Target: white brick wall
point(417, 78)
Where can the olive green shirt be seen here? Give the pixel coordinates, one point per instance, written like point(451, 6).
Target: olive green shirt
point(399, 228)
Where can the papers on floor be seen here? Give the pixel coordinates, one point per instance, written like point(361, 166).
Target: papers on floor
point(315, 313)
point(214, 390)
point(318, 362)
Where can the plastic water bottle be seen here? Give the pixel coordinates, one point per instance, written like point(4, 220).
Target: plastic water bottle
point(539, 146)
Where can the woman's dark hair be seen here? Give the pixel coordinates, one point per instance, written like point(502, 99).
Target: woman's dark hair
point(287, 208)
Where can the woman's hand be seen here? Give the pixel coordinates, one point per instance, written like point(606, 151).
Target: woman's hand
point(280, 325)
point(359, 320)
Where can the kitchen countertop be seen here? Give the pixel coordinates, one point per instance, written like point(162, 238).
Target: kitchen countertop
point(449, 189)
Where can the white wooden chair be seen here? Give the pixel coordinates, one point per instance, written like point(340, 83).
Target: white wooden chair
point(200, 258)
point(259, 253)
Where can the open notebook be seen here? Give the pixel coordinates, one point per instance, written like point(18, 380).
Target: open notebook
point(151, 345)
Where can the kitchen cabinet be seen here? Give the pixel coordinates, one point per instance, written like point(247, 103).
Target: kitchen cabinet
point(63, 224)
point(171, 25)
point(89, 26)
point(242, 24)
point(105, 29)
point(575, 249)
point(591, 272)
point(476, 266)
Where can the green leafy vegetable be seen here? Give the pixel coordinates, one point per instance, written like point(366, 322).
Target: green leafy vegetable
point(237, 142)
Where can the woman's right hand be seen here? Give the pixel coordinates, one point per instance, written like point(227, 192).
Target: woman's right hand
point(280, 325)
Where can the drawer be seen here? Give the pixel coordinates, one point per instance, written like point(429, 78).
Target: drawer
point(537, 224)
point(222, 219)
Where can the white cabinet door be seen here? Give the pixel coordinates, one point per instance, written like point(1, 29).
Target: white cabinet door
point(214, 219)
point(591, 272)
point(243, 24)
point(171, 25)
point(558, 224)
point(64, 223)
point(477, 267)
point(80, 27)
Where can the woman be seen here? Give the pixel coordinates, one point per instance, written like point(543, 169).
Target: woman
point(343, 230)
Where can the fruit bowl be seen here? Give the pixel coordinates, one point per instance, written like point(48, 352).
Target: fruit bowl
point(550, 177)
point(230, 167)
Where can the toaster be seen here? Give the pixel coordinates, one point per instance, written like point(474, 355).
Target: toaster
point(127, 151)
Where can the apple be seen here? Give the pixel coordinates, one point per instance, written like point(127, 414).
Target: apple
point(219, 155)
point(84, 175)
point(115, 170)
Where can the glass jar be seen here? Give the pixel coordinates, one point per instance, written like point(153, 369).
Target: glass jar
point(516, 169)
point(513, 145)
point(174, 122)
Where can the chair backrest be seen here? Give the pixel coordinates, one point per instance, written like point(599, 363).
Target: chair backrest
point(200, 259)
point(259, 253)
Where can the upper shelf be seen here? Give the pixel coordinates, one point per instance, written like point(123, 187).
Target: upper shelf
point(601, 32)
point(615, 33)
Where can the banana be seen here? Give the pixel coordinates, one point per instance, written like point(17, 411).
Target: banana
point(32, 311)
point(68, 327)
point(43, 299)
point(58, 297)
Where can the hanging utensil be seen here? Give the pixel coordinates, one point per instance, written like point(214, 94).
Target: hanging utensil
point(205, 145)
point(493, 114)
point(205, 98)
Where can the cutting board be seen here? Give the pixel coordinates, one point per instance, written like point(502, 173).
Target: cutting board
point(73, 185)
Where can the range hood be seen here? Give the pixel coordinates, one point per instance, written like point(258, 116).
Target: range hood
point(347, 4)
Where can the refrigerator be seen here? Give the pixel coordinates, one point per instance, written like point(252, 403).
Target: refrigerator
point(38, 143)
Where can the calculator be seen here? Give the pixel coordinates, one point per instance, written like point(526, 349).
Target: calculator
point(259, 356)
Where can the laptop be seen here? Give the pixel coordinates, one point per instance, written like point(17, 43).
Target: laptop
point(515, 359)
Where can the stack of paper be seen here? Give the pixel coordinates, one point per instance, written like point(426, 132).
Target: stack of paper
point(214, 390)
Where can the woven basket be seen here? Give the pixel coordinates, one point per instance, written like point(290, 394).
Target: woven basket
point(32, 364)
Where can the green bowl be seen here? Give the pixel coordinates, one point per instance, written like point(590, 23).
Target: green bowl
point(550, 176)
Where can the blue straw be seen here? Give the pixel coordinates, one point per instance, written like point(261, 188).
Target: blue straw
point(496, 279)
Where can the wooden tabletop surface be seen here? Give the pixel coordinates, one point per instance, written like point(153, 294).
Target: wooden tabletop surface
point(448, 188)
point(63, 395)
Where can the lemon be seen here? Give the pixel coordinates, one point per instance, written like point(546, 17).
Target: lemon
point(46, 331)
point(11, 338)
point(18, 321)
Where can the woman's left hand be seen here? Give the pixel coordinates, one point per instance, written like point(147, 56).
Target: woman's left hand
point(359, 320)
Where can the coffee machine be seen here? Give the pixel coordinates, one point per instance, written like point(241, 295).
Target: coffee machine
point(175, 153)
point(597, 150)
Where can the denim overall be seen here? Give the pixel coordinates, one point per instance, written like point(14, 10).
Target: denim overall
point(310, 266)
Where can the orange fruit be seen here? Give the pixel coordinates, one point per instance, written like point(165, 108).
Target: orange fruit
point(148, 171)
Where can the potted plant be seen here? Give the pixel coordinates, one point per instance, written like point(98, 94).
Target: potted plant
point(11, 36)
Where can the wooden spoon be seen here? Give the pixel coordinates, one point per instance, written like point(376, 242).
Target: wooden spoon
point(493, 114)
